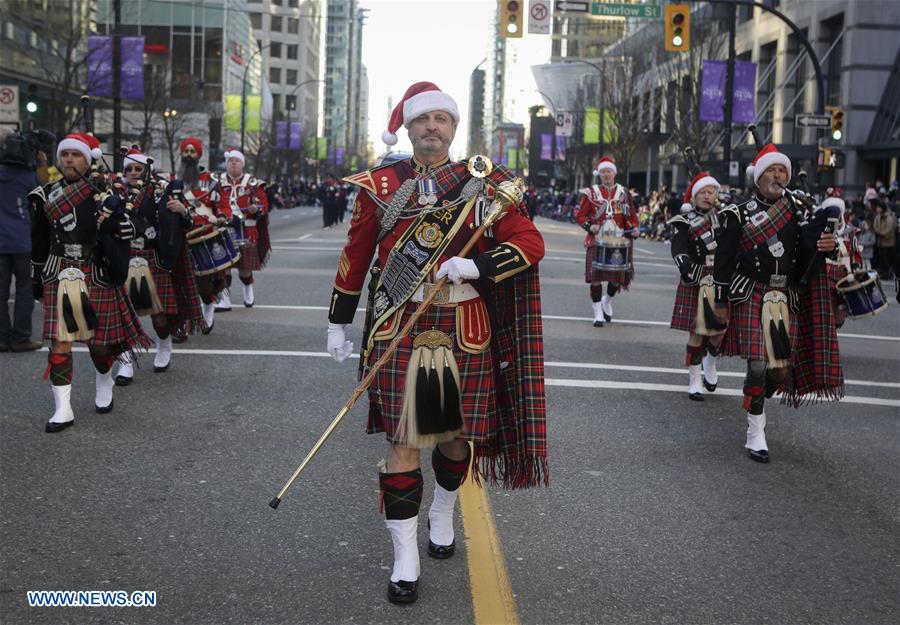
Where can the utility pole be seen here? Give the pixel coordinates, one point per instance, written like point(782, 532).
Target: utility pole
point(729, 84)
point(117, 85)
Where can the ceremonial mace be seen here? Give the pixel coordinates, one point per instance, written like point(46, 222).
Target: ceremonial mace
point(508, 193)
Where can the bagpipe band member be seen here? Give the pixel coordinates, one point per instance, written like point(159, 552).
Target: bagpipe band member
point(246, 200)
point(693, 245)
point(161, 280)
point(80, 243)
point(606, 213)
point(781, 319)
point(472, 368)
point(201, 196)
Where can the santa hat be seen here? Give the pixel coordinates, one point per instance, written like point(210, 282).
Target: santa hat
point(82, 142)
point(194, 141)
point(605, 163)
point(421, 97)
point(235, 153)
point(135, 156)
point(767, 157)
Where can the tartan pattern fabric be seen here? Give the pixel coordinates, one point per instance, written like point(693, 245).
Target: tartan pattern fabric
point(780, 213)
point(450, 474)
point(401, 493)
point(250, 260)
point(835, 273)
point(684, 314)
point(816, 371)
point(386, 394)
point(163, 279)
point(744, 336)
point(118, 326)
point(189, 315)
point(264, 241)
point(59, 368)
point(591, 274)
point(72, 195)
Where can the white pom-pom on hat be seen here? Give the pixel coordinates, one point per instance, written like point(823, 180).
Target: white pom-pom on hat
point(389, 137)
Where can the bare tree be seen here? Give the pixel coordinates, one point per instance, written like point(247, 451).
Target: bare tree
point(624, 113)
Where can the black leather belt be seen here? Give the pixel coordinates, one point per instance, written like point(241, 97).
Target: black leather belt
point(72, 251)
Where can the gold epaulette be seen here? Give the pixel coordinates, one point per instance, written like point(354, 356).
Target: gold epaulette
point(362, 179)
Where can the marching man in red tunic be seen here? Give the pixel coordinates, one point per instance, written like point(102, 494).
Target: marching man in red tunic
point(471, 371)
point(607, 215)
point(244, 197)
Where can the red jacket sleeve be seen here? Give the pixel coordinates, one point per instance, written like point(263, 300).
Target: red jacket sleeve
point(519, 246)
point(583, 214)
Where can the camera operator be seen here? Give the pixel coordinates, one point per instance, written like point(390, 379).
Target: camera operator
point(21, 168)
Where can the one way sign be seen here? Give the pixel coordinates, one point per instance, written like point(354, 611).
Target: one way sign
point(573, 6)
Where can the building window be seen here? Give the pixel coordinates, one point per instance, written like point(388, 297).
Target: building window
point(292, 51)
point(293, 25)
point(293, 3)
point(291, 77)
point(276, 102)
point(275, 75)
point(256, 20)
point(831, 29)
point(275, 49)
point(290, 103)
point(276, 2)
point(276, 23)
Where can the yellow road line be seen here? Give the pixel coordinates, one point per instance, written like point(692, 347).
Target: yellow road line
point(492, 597)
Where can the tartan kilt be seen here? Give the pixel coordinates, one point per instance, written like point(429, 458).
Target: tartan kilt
point(165, 289)
point(118, 326)
point(249, 260)
point(592, 274)
point(835, 273)
point(477, 393)
point(744, 336)
point(684, 314)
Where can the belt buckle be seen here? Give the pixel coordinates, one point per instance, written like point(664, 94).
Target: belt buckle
point(710, 260)
point(72, 250)
point(442, 296)
point(778, 280)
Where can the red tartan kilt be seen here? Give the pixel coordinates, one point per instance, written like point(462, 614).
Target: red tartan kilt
point(744, 336)
point(835, 273)
point(684, 314)
point(118, 325)
point(165, 289)
point(592, 274)
point(250, 260)
point(476, 380)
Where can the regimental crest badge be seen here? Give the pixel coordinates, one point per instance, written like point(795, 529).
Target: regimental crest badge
point(429, 235)
point(479, 166)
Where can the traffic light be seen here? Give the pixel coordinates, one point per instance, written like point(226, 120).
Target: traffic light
point(837, 122)
point(511, 19)
point(678, 27)
point(31, 104)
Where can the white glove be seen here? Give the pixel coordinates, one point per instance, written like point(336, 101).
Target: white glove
point(338, 345)
point(458, 269)
point(595, 228)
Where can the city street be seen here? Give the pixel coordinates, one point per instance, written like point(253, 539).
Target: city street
point(654, 513)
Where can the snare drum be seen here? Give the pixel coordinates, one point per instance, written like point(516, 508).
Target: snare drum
point(862, 294)
point(238, 234)
point(613, 254)
point(212, 250)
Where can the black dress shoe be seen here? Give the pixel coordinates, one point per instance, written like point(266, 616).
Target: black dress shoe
point(160, 369)
point(758, 456)
point(122, 380)
point(696, 396)
point(53, 428)
point(104, 409)
point(441, 552)
point(709, 387)
point(403, 592)
point(246, 305)
point(598, 324)
point(209, 328)
point(607, 317)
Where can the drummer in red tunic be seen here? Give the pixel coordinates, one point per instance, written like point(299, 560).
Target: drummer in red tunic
point(244, 198)
point(472, 368)
point(606, 212)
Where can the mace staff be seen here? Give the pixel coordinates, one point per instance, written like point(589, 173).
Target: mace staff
point(508, 194)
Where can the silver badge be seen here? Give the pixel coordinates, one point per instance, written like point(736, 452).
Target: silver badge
point(751, 204)
point(150, 232)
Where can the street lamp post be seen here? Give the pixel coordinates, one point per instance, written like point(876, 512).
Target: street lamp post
point(167, 115)
point(294, 91)
point(244, 92)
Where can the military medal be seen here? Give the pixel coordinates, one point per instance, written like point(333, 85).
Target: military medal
point(427, 192)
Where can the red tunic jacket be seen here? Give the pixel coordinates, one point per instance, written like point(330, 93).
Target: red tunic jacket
point(593, 209)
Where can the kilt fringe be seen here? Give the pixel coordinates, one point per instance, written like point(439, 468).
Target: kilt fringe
point(512, 471)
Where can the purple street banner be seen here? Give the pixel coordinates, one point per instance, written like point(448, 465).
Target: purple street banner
point(99, 66)
point(744, 110)
point(712, 92)
point(339, 156)
point(132, 74)
point(295, 142)
point(281, 135)
point(546, 146)
point(561, 148)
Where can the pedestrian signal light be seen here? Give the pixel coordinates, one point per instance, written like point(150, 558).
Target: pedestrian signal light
point(837, 122)
point(678, 27)
point(31, 101)
point(511, 19)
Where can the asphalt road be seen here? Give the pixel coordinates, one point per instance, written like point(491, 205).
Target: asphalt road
point(654, 514)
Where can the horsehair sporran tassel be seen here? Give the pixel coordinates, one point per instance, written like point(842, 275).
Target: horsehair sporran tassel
point(146, 302)
point(88, 311)
point(133, 292)
point(68, 313)
point(430, 421)
point(424, 421)
point(452, 411)
point(421, 402)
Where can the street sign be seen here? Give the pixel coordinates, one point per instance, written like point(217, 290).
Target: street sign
point(9, 104)
point(811, 120)
point(573, 6)
point(539, 17)
point(734, 169)
point(646, 11)
point(564, 124)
